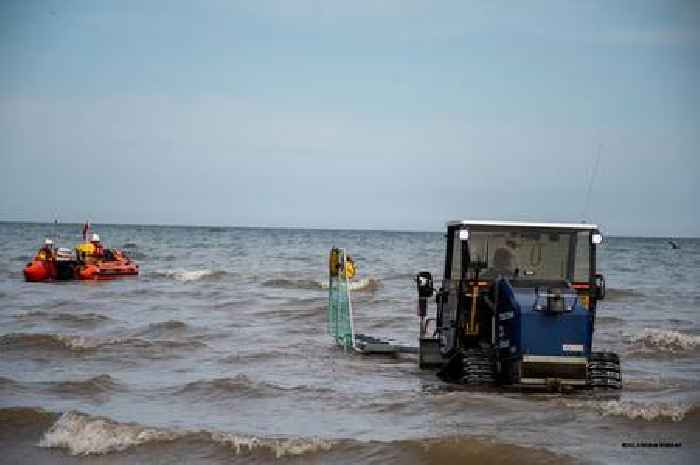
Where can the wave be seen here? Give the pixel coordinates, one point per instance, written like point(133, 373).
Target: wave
point(658, 411)
point(41, 341)
point(13, 417)
point(280, 447)
point(652, 340)
point(136, 254)
point(283, 283)
point(191, 275)
point(49, 341)
point(9, 384)
point(85, 435)
point(221, 388)
point(364, 284)
point(163, 328)
point(613, 294)
point(133, 250)
point(653, 384)
point(255, 357)
point(608, 319)
point(97, 385)
point(73, 318)
point(408, 277)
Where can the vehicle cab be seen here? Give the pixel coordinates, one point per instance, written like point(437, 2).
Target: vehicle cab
point(528, 291)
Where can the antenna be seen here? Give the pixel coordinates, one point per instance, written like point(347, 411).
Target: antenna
point(584, 213)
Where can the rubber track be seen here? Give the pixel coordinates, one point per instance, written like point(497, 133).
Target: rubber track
point(478, 367)
point(604, 370)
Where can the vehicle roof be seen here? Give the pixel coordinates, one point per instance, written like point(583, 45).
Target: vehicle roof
point(523, 224)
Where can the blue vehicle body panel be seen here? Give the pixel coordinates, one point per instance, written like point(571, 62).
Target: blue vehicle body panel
point(526, 326)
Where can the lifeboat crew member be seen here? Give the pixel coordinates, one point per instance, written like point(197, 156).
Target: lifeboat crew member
point(46, 251)
point(98, 250)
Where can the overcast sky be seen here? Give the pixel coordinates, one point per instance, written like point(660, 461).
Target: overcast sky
point(361, 114)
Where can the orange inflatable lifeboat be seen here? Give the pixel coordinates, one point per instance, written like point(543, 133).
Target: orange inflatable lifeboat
point(50, 264)
point(89, 262)
point(40, 270)
point(114, 265)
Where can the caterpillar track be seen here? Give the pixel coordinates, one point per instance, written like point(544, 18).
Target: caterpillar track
point(478, 367)
point(473, 366)
point(604, 370)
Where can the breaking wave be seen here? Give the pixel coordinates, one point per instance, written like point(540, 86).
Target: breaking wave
point(191, 275)
point(658, 411)
point(364, 284)
point(279, 447)
point(652, 340)
point(86, 435)
point(284, 283)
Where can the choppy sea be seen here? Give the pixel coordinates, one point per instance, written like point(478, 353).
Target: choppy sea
point(218, 353)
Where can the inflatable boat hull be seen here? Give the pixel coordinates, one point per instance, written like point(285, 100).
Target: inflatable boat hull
point(39, 270)
point(108, 270)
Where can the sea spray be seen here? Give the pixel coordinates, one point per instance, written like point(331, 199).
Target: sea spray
point(661, 340)
point(83, 434)
point(649, 411)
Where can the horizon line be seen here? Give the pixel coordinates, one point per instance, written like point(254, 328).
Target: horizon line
point(301, 228)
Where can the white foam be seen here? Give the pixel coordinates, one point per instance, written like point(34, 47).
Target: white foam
point(633, 410)
point(88, 342)
point(280, 447)
point(362, 284)
point(662, 340)
point(191, 275)
point(83, 434)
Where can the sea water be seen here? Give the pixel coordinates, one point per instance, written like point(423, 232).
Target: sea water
point(218, 353)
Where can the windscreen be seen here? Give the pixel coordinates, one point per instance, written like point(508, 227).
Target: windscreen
point(541, 255)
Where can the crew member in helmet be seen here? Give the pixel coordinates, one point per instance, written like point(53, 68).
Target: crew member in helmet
point(46, 251)
point(98, 250)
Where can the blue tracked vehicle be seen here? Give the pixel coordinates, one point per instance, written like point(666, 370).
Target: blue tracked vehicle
point(517, 307)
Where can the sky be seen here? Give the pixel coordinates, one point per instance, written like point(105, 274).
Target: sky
point(363, 114)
